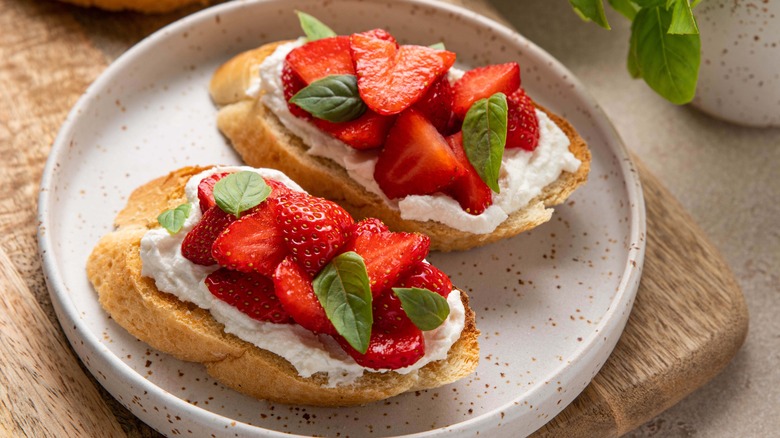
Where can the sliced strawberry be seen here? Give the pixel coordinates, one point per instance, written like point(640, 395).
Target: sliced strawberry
point(196, 246)
point(436, 104)
point(253, 243)
point(366, 132)
point(251, 293)
point(392, 78)
point(387, 255)
point(483, 82)
point(424, 275)
point(292, 84)
point(393, 350)
point(317, 59)
point(294, 290)
point(389, 316)
point(206, 190)
point(277, 189)
point(473, 195)
point(416, 159)
point(313, 229)
point(522, 130)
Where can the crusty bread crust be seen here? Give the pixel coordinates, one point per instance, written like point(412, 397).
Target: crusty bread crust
point(262, 141)
point(190, 333)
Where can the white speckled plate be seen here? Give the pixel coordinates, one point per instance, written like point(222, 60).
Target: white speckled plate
point(551, 303)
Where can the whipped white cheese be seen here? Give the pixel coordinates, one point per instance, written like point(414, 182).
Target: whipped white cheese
point(163, 261)
point(523, 174)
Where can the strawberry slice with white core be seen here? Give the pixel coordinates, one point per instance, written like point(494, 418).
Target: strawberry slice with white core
point(251, 293)
point(317, 59)
point(392, 78)
point(294, 289)
point(416, 159)
point(483, 82)
point(253, 243)
point(387, 255)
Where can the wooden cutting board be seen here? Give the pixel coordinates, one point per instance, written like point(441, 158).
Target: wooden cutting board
point(688, 321)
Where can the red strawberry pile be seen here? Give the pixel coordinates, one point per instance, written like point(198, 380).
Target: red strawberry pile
point(414, 114)
point(268, 257)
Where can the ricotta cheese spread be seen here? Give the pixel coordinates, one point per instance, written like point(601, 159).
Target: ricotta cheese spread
point(523, 174)
point(309, 353)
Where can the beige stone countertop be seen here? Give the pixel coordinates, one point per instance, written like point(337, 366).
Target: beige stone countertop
point(727, 176)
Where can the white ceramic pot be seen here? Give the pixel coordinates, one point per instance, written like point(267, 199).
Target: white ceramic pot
point(739, 79)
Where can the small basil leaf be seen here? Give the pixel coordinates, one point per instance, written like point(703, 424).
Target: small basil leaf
point(425, 308)
point(240, 191)
point(438, 46)
point(591, 10)
point(683, 22)
point(334, 98)
point(668, 63)
point(343, 290)
point(484, 137)
point(173, 219)
point(314, 28)
point(625, 7)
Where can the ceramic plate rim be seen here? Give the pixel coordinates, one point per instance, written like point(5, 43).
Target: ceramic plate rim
point(67, 312)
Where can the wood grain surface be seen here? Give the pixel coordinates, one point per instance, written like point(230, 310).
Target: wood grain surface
point(688, 321)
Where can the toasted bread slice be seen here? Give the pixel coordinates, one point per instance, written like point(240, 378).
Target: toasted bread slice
point(262, 141)
point(190, 333)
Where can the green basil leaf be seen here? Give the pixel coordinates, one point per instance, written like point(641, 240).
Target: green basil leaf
point(240, 191)
point(633, 63)
point(683, 22)
point(484, 137)
point(343, 290)
point(650, 3)
point(625, 7)
point(334, 98)
point(695, 3)
point(668, 63)
point(314, 28)
point(173, 219)
point(591, 10)
point(425, 308)
point(438, 46)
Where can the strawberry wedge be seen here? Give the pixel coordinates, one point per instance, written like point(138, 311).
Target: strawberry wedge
point(392, 78)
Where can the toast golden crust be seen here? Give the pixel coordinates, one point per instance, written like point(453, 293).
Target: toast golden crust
point(190, 333)
point(262, 141)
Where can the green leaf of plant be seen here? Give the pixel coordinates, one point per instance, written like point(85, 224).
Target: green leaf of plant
point(591, 10)
point(626, 7)
point(173, 219)
point(650, 3)
point(668, 63)
point(683, 22)
point(425, 308)
point(314, 28)
point(343, 290)
point(633, 63)
point(484, 137)
point(334, 98)
point(240, 191)
point(438, 46)
point(695, 3)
